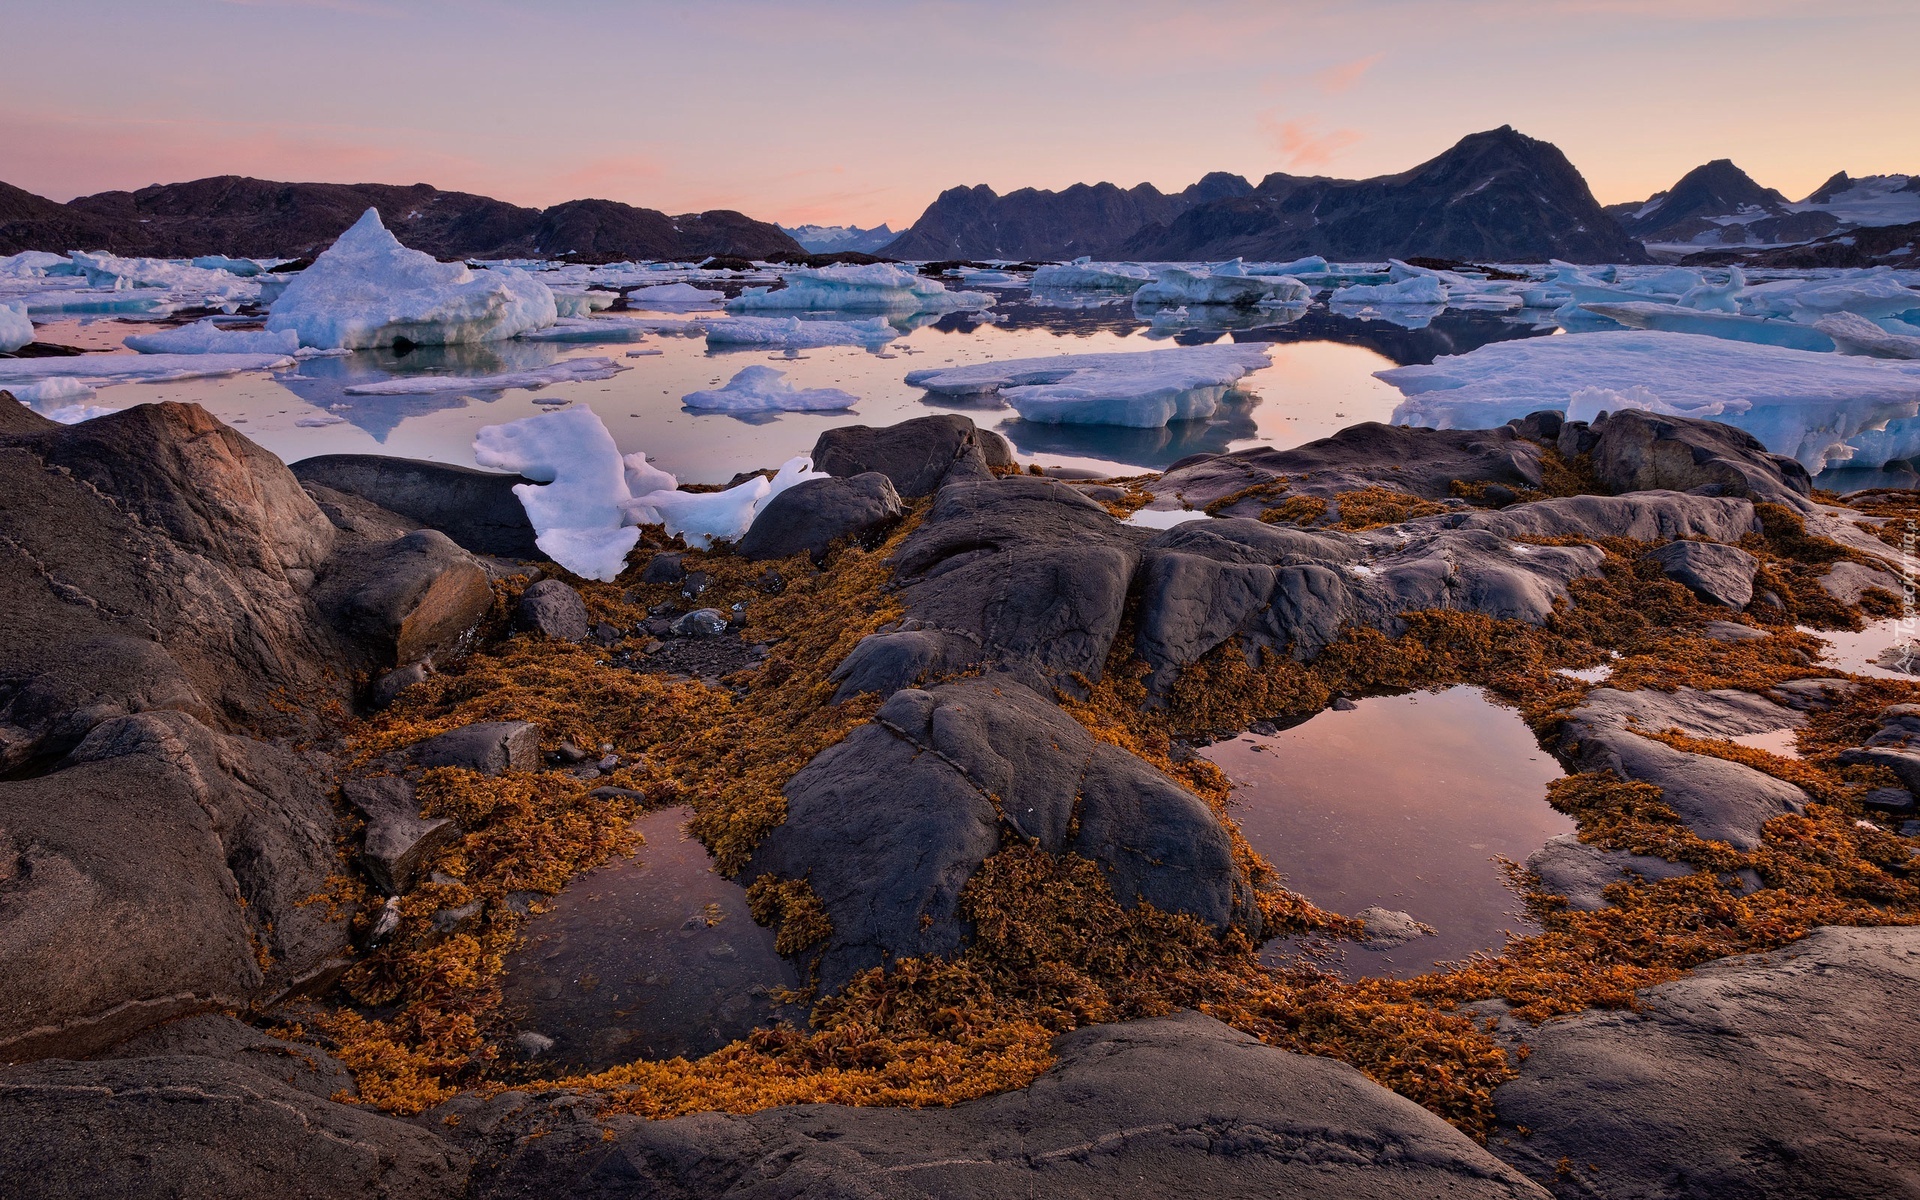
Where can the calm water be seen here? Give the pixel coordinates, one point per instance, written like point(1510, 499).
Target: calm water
point(1320, 381)
point(1406, 802)
point(648, 957)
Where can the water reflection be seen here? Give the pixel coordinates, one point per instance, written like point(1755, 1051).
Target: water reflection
point(322, 382)
point(1449, 332)
point(1151, 449)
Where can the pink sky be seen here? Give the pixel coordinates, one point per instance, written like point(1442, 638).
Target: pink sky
point(860, 112)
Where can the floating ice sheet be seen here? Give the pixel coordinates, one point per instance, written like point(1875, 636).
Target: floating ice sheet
point(101, 370)
point(1854, 334)
point(673, 295)
point(1083, 274)
point(1674, 318)
point(875, 287)
point(792, 333)
point(572, 370)
point(207, 337)
point(760, 389)
point(1146, 389)
point(1227, 283)
point(588, 330)
point(15, 329)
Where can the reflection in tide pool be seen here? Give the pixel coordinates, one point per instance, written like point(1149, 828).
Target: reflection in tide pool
point(1404, 802)
point(1320, 381)
point(649, 957)
point(1886, 649)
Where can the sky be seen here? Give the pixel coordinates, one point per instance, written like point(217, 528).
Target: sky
point(861, 111)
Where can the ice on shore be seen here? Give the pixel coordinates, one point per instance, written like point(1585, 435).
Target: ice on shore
point(572, 370)
point(102, 370)
point(577, 501)
point(1854, 334)
point(50, 391)
point(1799, 403)
point(369, 290)
point(875, 287)
point(1145, 389)
point(702, 518)
point(15, 329)
point(673, 295)
point(1227, 284)
point(1083, 274)
point(1673, 318)
point(207, 337)
point(792, 333)
point(643, 477)
point(760, 389)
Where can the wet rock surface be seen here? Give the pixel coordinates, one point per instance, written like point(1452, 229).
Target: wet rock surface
point(407, 599)
point(1638, 451)
point(477, 509)
point(917, 455)
point(552, 609)
point(1717, 574)
point(813, 515)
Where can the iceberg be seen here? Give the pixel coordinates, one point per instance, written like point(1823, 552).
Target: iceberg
point(1227, 284)
point(588, 329)
point(369, 290)
point(1313, 264)
point(50, 391)
point(702, 518)
point(1414, 289)
point(572, 370)
point(102, 370)
point(206, 337)
point(1717, 297)
point(880, 287)
point(763, 389)
point(1854, 334)
point(95, 302)
point(580, 303)
point(1083, 274)
point(792, 333)
point(245, 268)
point(111, 271)
point(1802, 404)
point(31, 264)
point(15, 329)
point(578, 496)
point(1145, 389)
point(1872, 294)
point(1673, 318)
point(673, 295)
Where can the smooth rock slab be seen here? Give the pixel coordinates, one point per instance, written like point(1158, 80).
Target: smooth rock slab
point(917, 455)
point(477, 509)
point(811, 516)
point(489, 747)
point(1715, 573)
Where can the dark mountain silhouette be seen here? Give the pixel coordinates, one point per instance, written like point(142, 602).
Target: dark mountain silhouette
point(1497, 196)
point(1719, 204)
point(1093, 219)
point(231, 214)
point(1896, 246)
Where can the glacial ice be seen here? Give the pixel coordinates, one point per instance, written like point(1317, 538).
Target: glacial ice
point(1414, 289)
point(98, 302)
point(571, 302)
point(1673, 318)
point(1083, 274)
point(577, 500)
point(1227, 284)
point(50, 391)
point(1144, 389)
point(111, 271)
point(673, 295)
point(1873, 294)
point(369, 290)
point(207, 337)
point(102, 370)
point(1717, 297)
point(643, 477)
point(15, 329)
point(1313, 264)
point(792, 333)
point(30, 264)
point(880, 287)
point(572, 370)
point(588, 330)
point(245, 268)
point(1806, 405)
point(759, 389)
point(702, 518)
point(1854, 334)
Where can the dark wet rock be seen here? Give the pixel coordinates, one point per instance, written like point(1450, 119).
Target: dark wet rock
point(700, 623)
point(191, 1124)
point(886, 661)
point(1342, 704)
point(1728, 631)
point(1898, 801)
point(1809, 1047)
point(1579, 871)
point(1812, 695)
point(489, 747)
point(141, 873)
point(553, 609)
point(215, 1035)
point(813, 515)
point(1655, 516)
point(398, 839)
point(917, 455)
point(1848, 581)
point(1389, 927)
point(1721, 800)
point(889, 824)
point(1639, 451)
point(695, 583)
point(1422, 462)
point(1894, 745)
point(407, 599)
point(1576, 438)
point(1715, 573)
point(1543, 427)
point(663, 568)
point(477, 509)
point(387, 688)
point(1173, 1106)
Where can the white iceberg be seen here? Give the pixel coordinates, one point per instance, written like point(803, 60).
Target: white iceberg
point(1854, 334)
point(1673, 318)
point(1313, 264)
point(1872, 294)
point(579, 495)
point(104, 270)
point(1717, 297)
point(570, 302)
point(673, 295)
point(792, 333)
point(880, 287)
point(102, 370)
point(15, 329)
point(207, 337)
point(763, 389)
point(1083, 274)
point(369, 290)
point(1798, 403)
point(245, 268)
point(1227, 284)
point(589, 330)
point(702, 518)
point(31, 264)
point(1414, 289)
point(572, 370)
point(1144, 389)
point(51, 391)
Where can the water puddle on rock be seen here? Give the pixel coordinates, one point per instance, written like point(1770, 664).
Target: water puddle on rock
point(1405, 803)
point(1885, 649)
point(647, 957)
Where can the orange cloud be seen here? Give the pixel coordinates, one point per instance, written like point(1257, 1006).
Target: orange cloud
point(1336, 79)
point(1299, 146)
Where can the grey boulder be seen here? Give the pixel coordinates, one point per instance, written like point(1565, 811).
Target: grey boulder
point(489, 747)
point(917, 455)
point(407, 599)
point(477, 509)
point(1636, 451)
point(398, 839)
point(552, 608)
point(1715, 573)
point(813, 515)
point(1567, 866)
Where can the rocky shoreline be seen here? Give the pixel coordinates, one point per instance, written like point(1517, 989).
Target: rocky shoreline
point(292, 757)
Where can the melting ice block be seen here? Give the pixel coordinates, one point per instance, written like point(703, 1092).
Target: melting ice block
point(791, 333)
point(875, 287)
point(702, 518)
point(369, 290)
point(1414, 289)
point(573, 370)
point(15, 329)
point(673, 295)
point(764, 389)
point(571, 302)
point(1144, 389)
point(1675, 318)
point(1086, 275)
point(1227, 283)
point(101, 370)
point(207, 337)
point(1799, 403)
point(1854, 334)
point(585, 329)
point(579, 495)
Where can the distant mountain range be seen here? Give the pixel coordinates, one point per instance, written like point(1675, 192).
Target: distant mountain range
point(257, 218)
point(975, 222)
point(837, 239)
point(1719, 205)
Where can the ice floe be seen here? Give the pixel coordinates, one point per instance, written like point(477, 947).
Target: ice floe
point(102, 370)
point(207, 337)
point(568, 302)
point(15, 329)
point(1083, 274)
point(1227, 283)
point(572, 370)
point(578, 497)
point(588, 329)
point(1799, 403)
point(31, 264)
point(673, 295)
point(1854, 334)
point(1415, 289)
point(877, 287)
point(792, 333)
point(763, 389)
point(1739, 327)
point(1144, 389)
point(369, 290)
